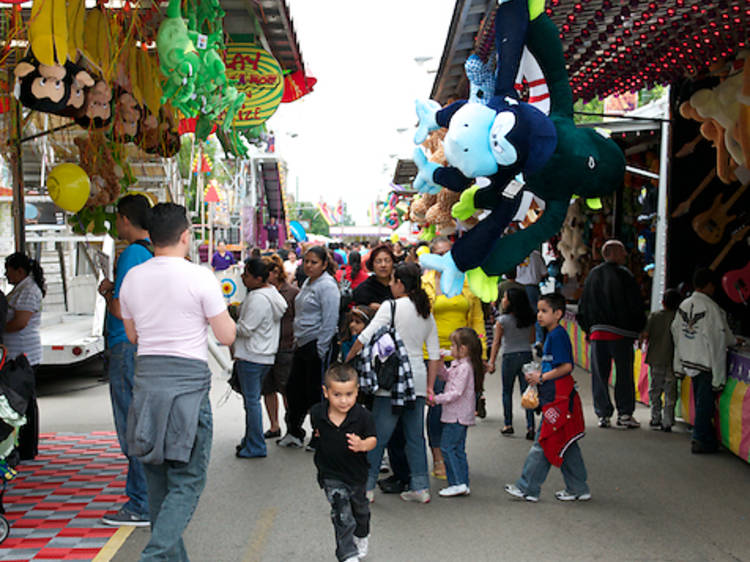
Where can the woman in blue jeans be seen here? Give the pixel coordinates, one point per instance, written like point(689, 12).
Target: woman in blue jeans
point(514, 334)
point(415, 326)
point(258, 329)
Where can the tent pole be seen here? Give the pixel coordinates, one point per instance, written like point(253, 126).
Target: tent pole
point(16, 164)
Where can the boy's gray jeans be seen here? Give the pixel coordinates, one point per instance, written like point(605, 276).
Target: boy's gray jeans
point(350, 513)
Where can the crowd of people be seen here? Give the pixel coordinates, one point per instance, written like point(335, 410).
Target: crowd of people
point(362, 339)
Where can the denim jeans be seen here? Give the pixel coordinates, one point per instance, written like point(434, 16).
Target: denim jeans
point(536, 467)
point(174, 489)
point(602, 354)
point(512, 369)
point(251, 377)
point(434, 425)
point(121, 373)
point(705, 404)
point(416, 451)
point(453, 447)
point(350, 513)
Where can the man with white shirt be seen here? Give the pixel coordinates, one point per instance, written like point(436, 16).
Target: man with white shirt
point(167, 305)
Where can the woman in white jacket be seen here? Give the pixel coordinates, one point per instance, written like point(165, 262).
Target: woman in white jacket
point(255, 349)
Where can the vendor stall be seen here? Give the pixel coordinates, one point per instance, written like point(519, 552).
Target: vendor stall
point(685, 189)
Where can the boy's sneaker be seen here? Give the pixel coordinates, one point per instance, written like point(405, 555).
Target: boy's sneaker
point(352, 559)
point(604, 422)
point(456, 490)
point(516, 492)
point(565, 496)
point(362, 545)
point(628, 422)
point(290, 441)
point(666, 428)
point(125, 517)
point(419, 496)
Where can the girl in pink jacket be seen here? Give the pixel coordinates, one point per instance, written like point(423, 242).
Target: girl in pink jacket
point(458, 401)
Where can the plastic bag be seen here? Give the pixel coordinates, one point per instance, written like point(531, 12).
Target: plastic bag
point(530, 398)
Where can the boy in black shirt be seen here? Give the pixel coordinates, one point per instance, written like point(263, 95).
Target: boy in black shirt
point(345, 432)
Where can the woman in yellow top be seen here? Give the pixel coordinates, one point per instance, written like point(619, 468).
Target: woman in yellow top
point(450, 313)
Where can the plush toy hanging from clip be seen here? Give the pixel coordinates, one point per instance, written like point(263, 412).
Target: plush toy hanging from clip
point(47, 78)
point(507, 139)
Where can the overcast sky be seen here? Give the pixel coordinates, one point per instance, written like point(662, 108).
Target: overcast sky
point(362, 54)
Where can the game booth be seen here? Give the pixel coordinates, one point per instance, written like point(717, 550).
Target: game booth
point(683, 202)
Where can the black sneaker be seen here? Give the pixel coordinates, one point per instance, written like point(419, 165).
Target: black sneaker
point(392, 485)
point(125, 517)
point(481, 407)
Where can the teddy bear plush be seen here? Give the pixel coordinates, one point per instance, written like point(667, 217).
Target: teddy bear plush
point(505, 138)
point(571, 245)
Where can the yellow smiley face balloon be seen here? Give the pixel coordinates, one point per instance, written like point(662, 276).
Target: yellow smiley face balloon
point(69, 187)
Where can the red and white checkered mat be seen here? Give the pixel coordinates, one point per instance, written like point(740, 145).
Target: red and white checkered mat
point(55, 503)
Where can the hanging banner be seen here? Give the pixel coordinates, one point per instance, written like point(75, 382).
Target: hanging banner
point(257, 75)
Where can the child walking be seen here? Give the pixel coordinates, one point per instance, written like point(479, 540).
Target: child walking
point(562, 423)
point(345, 432)
point(659, 358)
point(458, 401)
point(514, 333)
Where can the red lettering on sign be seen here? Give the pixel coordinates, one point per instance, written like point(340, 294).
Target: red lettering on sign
point(239, 61)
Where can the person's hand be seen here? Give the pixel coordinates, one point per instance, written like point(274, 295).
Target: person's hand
point(491, 367)
point(355, 443)
point(430, 398)
point(679, 375)
point(105, 287)
point(534, 377)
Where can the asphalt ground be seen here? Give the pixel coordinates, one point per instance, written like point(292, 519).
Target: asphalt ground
point(652, 499)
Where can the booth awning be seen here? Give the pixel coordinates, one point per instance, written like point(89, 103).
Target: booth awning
point(611, 46)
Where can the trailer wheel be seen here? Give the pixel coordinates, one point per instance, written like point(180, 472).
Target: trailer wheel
point(4, 528)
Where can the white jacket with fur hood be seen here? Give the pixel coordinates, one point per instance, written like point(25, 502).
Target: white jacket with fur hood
point(259, 326)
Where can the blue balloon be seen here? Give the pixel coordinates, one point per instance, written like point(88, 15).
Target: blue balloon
point(31, 212)
point(298, 231)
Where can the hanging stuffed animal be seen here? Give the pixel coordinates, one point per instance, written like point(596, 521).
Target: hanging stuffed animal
point(571, 245)
point(178, 57)
point(508, 137)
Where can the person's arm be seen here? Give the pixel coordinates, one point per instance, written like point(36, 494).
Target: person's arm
point(475, 319)
point(330, 299)
point(354, 350)
point(130, 330)
point(251, 316)
point(19, 321)
point(496, 345)
point(559, 371)
point(456, 385)
point(223, 327)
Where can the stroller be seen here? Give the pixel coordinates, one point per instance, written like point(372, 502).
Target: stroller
point(16, 389)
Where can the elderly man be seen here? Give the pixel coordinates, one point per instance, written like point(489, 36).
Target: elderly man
point(611, 313)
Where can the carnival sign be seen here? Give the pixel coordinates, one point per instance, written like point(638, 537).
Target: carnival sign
point(257, 75)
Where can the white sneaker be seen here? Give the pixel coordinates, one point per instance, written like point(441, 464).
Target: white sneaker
point(516, 492)
point(457, 490)
point(370, 494)
point(420, 496)
point(352, 559)
point(565, 496)
point(290, 440)
point(362, 545)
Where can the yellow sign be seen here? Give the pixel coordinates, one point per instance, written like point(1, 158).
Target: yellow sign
point(258, 76)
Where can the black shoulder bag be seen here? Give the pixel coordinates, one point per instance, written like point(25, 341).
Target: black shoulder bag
point(387, 371)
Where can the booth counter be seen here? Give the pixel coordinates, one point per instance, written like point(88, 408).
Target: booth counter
point(733, 404)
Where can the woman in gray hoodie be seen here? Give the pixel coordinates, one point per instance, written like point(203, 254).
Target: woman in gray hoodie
point(255, 349)
point(316, 316)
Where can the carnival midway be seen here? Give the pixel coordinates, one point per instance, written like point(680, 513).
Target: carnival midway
point(468, 281)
